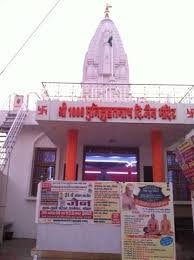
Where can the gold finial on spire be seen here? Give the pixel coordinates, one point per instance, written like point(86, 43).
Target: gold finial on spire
point(107, 11)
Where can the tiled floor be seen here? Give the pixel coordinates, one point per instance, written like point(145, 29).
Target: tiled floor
point(17, 249)
point(20, 249)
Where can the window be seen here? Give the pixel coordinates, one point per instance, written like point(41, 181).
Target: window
point(180, 184)
point(44, 167)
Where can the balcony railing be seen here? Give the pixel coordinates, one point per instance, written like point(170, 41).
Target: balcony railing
point(162, 93)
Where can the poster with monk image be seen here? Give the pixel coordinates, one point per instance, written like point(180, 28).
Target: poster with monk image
point(147, 221)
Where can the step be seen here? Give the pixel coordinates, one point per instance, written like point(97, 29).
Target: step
point(6, 125)
point(11, 117)
point(4, 129)
point(12, 114)
point(8, 120)
point(51, 254)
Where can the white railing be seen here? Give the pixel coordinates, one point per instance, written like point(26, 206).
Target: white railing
point(9, 142)
point(30, 99)
point(171, 93)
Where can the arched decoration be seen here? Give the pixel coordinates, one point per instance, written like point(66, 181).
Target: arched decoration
point(43, 141)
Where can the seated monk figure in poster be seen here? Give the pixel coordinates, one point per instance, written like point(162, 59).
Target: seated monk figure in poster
point(165, 226)
point(153, 226)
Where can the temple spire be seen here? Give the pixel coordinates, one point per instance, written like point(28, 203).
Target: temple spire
point(107, 11)
point(106, 59)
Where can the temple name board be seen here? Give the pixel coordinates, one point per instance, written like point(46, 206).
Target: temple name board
point(111, 112)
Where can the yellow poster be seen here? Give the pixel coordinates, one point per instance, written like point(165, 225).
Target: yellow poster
point(147, 221)
point(106, 202)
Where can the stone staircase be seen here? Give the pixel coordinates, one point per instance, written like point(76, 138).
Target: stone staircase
point(7, 123)
point(9, 131)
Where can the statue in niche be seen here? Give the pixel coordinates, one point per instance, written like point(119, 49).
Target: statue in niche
point(107, 45)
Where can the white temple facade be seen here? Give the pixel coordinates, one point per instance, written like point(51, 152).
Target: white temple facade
point(105, 70)
point(104, 131)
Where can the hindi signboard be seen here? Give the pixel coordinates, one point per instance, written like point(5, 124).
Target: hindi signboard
point(147, 221)
point(66, 202)
point(106, 202)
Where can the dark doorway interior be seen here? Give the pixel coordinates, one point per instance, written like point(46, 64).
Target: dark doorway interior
point(148, 173)
point(111, 164)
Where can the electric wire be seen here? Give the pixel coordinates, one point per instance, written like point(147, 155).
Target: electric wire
point(29, 37)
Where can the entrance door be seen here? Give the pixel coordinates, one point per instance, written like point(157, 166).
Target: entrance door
point(111, 164)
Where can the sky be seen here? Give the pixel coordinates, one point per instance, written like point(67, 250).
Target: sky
point(157, 36)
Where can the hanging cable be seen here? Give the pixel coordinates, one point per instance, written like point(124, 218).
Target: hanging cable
point(29, 37)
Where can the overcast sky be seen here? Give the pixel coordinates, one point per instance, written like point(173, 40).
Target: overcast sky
point(158, 37)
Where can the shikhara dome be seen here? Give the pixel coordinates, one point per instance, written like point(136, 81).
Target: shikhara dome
point(106, 60)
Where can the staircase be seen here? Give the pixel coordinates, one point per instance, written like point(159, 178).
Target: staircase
point(9, 131)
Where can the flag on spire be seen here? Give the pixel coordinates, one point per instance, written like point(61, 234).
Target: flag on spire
point(110, 40)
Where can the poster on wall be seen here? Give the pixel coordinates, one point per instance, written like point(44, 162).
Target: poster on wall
point(185, 158)
point(147, 221)
point(66, 202)
point(192, 205)
point(18, 102)
point(106, 202)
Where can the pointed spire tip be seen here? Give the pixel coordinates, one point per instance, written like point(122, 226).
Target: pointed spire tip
point(107, 11)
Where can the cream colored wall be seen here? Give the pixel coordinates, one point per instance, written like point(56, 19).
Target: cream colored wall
point(61, 163)
point(145, 154)
point(145, 159)
point(2, 116)
point(20, 206)
point(80, 161)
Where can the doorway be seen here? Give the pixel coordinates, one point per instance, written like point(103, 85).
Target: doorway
point(111, 164)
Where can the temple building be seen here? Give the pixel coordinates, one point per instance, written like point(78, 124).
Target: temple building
point(103, 128)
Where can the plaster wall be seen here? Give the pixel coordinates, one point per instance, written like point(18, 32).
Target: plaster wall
point(2, 116)
point(101, 238)
point(20, 206)
point(145, 159)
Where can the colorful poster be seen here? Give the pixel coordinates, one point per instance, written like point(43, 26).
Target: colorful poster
point(18, 102)
point(66, 202)
point(192, 204)
point(147, 221)
point(106, 202)
point(185, 158)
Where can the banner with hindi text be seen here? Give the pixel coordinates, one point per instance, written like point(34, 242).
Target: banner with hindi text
point(106, 202)
point(66, 202)
point(147, 221)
